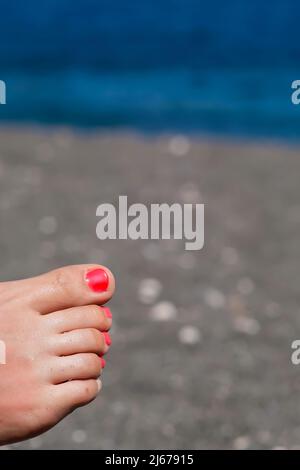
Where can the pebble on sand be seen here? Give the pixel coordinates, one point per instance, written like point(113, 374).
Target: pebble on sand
point(79, 436)
point(179, 145)
point(48, 225)
point(163, 311)
point(241, 443)
point(149, 291)
point(189, 335)
point(246, 325)
point(214, 298)
point(245, 286)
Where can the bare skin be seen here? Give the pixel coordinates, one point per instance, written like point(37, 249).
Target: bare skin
point(55, 333)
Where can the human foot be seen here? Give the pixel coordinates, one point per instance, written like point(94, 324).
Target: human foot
point(55, 334)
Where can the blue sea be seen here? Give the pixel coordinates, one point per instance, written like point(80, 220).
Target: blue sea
point(221, 67)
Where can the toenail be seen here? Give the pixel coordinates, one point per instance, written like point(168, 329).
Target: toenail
point(97, 280)
point(99, 384)
point(103, 362)
point(107, 312)
point(107, 338)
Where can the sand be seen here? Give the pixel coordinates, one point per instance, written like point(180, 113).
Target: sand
point(202, 340)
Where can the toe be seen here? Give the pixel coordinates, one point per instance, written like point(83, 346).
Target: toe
point(80, 341)
point(90, 316)
point(65, 287)
point(76, 367)
point(76, 393)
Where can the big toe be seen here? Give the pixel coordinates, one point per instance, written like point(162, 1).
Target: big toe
point(66, 287)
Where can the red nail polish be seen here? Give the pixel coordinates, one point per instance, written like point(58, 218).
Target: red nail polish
point(107, 338)
point(107, 312)
point(97, 280)
point(103, 362)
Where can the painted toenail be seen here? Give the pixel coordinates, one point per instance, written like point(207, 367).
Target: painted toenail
point(103, 362)
point(99, 384)
point(107, 338)
point(97, 280)
point(107, 312)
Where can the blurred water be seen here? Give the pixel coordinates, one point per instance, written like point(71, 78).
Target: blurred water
point(222, 67)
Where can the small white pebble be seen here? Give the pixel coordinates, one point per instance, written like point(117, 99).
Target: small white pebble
point(246, 325)
point(163, 311)
point(48, 225)
point(214, 298)
point(189, 335)
point(241, 443)
point(245, 286)
point(149, 290)
point(179, 146)
point(79, 436)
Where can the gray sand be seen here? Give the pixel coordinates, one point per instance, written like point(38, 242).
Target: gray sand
point(225, 382)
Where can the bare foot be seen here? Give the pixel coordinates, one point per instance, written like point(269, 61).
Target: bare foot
point(55, 333)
